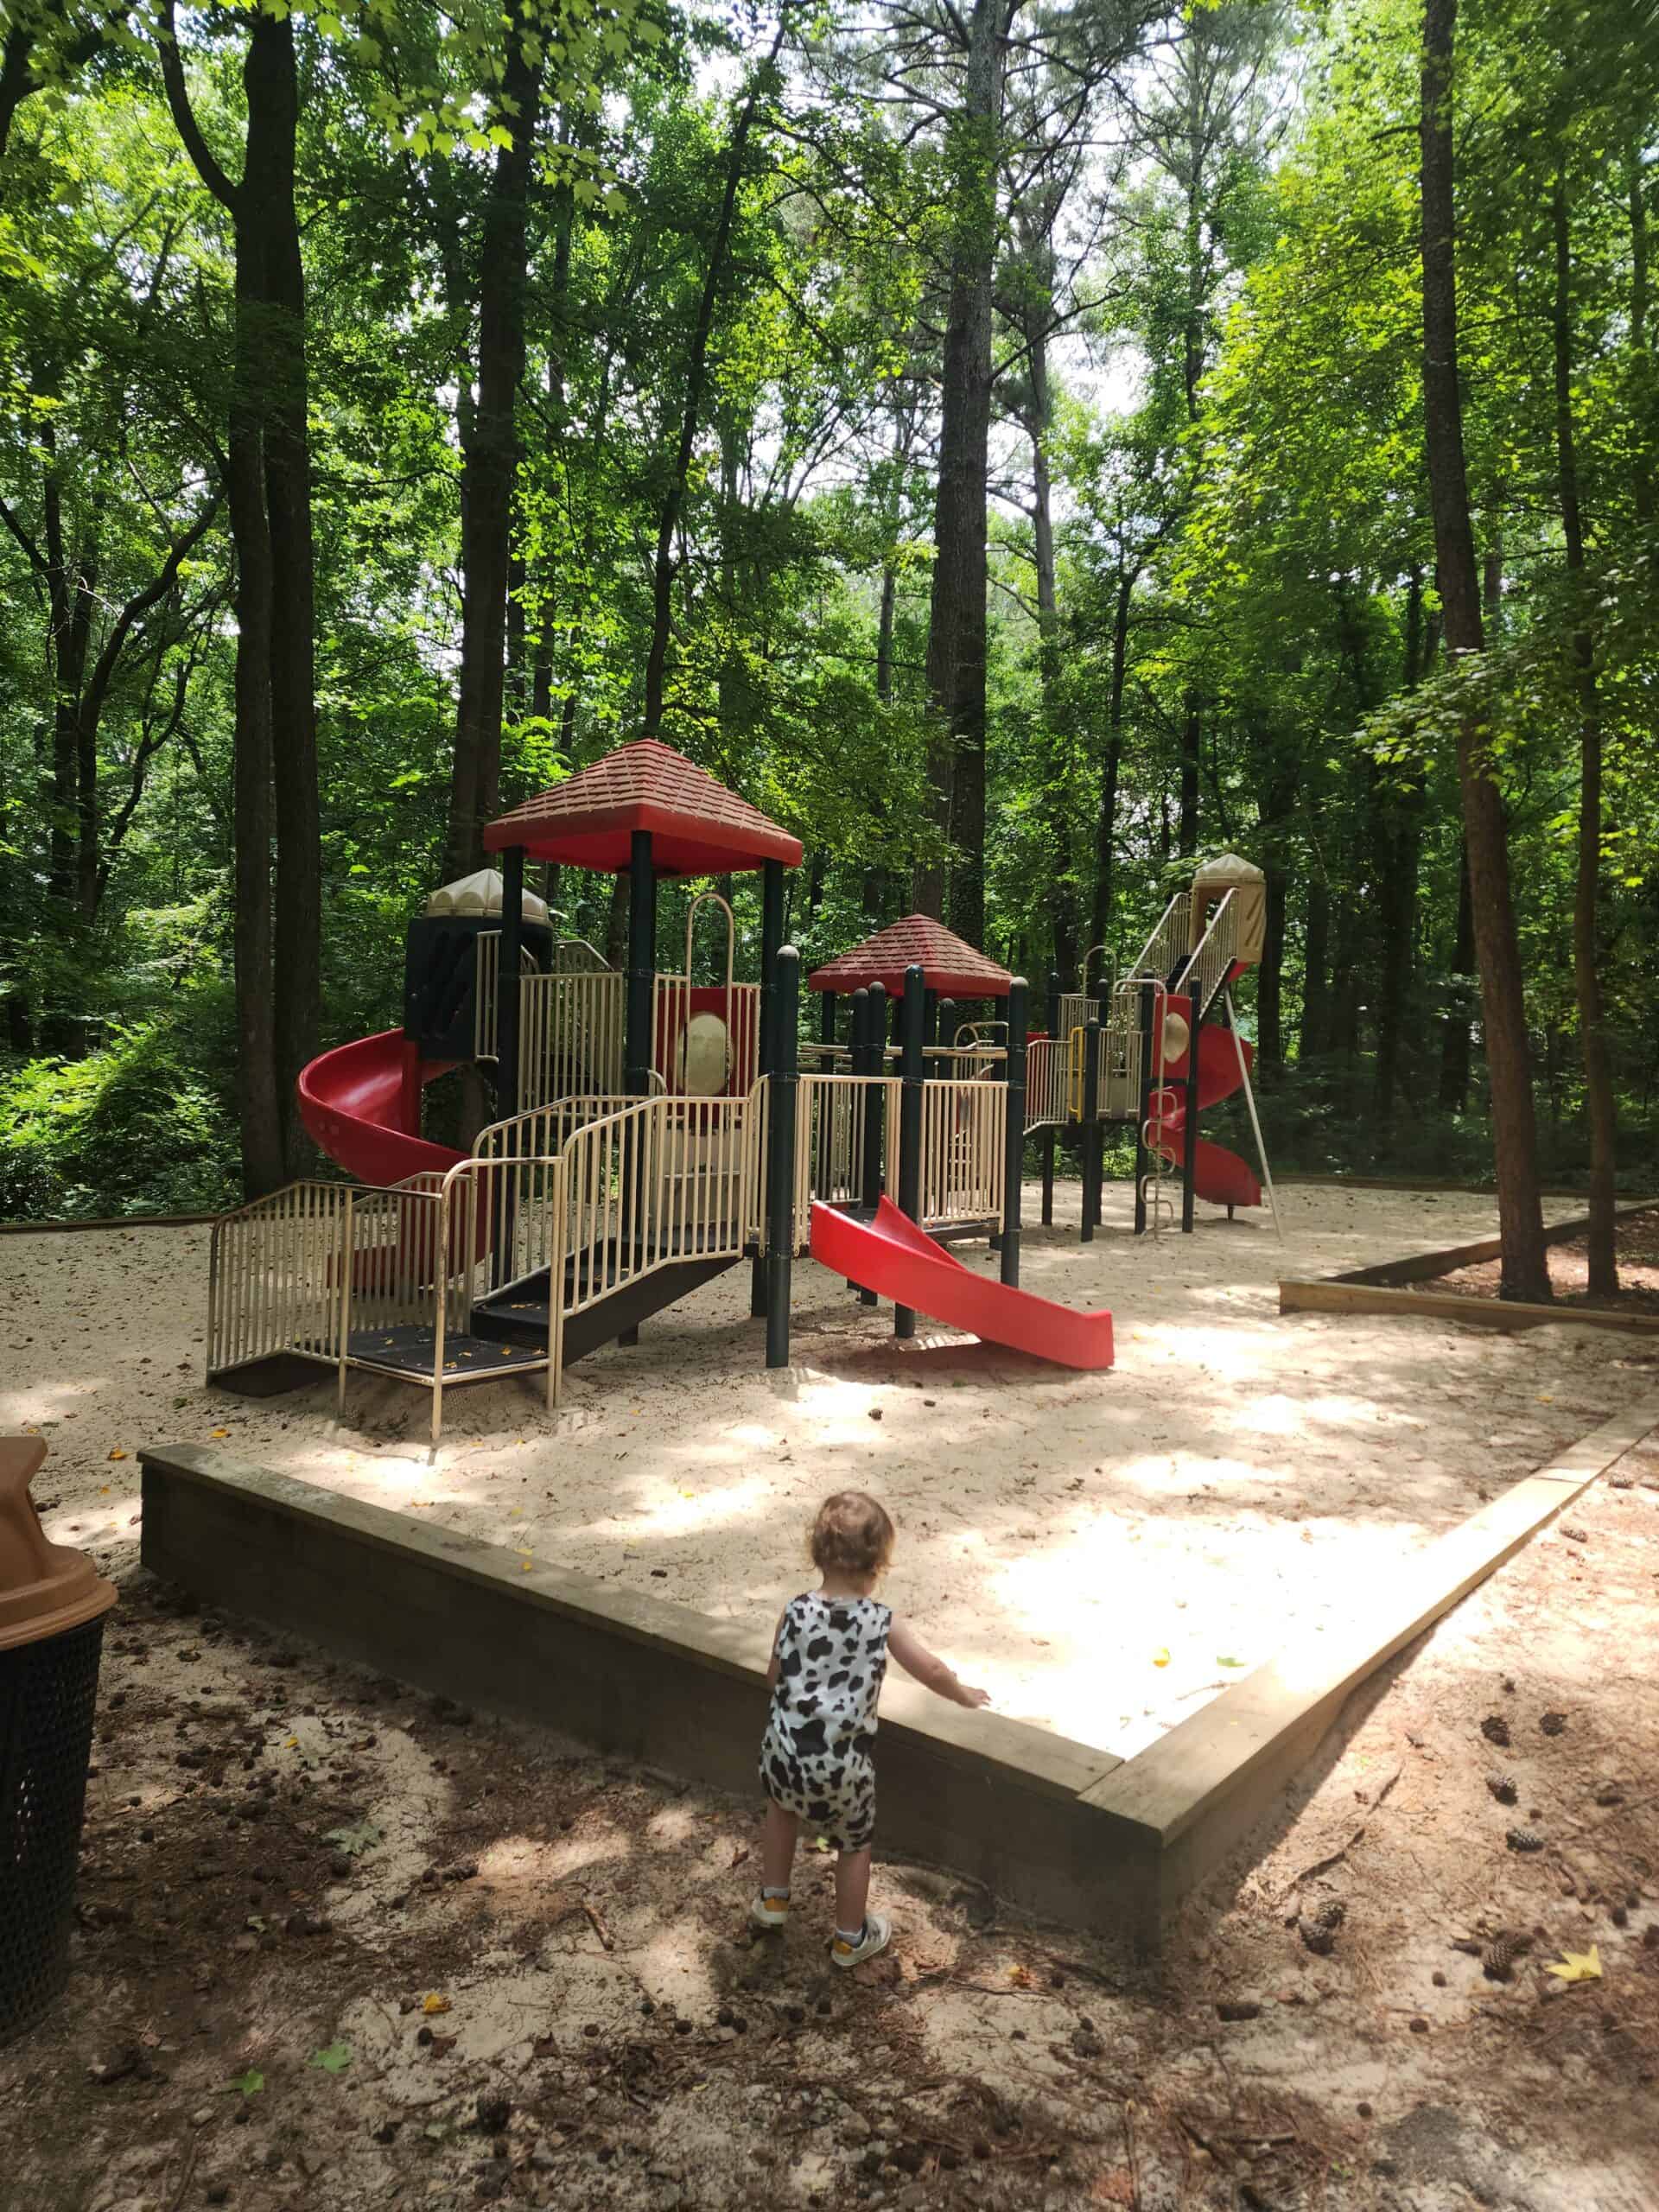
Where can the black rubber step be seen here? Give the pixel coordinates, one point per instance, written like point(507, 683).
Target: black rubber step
point(520, 1316)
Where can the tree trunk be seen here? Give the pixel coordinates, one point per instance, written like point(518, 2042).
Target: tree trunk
point(1454, 1035)
point(1316, 1000)
point(664, 565)
point(1400, 834)
point(268, 191)
point(1644, 457)
point(268, 492)
point(1063, 897)
point(1525, 1271)
point(1600, 1096)
point(957, 628)
point(1278, 805)
point(489, 441)
point(1112, 768)
point(1191, 752)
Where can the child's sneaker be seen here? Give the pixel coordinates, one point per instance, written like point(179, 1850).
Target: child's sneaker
point(769, 1913)
point(876, 1937)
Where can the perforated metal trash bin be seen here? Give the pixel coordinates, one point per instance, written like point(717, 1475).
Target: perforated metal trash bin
point(52, 1608)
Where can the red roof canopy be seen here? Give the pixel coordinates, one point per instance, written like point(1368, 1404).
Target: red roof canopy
point(948, 966)
point(697, 827)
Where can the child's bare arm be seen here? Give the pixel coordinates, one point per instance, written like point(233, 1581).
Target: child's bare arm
point(929, 1671)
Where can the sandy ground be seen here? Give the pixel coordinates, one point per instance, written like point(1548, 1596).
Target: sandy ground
point(1102, 1552)
point(346, 1949)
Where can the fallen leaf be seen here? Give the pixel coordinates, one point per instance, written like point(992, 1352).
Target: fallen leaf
point(218, 1431)
point(1160, 1657)
point(1222, 1660)
point(356, 1840)
point(250, 2083)
point(433, 2004)
point(117, 1454)
point(1578, 1965)
point(333, 2058)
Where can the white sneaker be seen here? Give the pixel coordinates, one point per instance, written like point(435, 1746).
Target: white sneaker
point(769, 1913)
point(878, 1933)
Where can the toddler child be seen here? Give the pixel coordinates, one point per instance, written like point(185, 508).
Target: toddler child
point(828, 1659)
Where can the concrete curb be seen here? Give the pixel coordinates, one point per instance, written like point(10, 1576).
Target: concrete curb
point(1058, 1827)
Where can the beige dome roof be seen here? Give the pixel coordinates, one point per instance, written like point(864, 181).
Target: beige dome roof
point(481, 894)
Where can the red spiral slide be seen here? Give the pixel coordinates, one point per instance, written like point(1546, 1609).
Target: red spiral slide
point(1220, 1177)
point(891, 1257)
point(361, 1104)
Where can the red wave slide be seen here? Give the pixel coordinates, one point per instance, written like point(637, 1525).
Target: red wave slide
point(893, 1257)
point(1219, 1176)
point(361, 1104)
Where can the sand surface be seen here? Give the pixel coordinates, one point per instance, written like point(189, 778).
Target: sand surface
point(1102, 1552)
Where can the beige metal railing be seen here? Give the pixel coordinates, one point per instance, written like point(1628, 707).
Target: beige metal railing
point(665, 1179)
point(488, 980)
point(962, 1151)
point(1211, 964)
point(517, 1157)
point(1169, 943)
point(570, 1035)
point(276, 1277)
point(832, 1118)
point(1048, 1061)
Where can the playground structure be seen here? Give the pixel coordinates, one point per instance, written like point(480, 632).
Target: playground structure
point(650, 1132)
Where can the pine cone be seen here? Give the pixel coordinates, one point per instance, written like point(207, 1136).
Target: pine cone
point(1496, 1729)
point(1553, 1723)
point(1524, 1840)
point(1318, 1929)
point(1502, 1787)
point(1497, 1957)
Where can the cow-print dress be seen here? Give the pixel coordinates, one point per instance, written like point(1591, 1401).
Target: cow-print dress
point(816, 1755)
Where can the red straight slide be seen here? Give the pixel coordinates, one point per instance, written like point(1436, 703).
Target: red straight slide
point(891, 1257)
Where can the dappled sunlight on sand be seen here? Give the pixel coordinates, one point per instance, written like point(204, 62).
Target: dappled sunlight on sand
point(1235, 1475)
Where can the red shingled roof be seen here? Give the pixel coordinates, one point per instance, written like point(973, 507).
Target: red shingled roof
point(697, 827)
point(948, 966)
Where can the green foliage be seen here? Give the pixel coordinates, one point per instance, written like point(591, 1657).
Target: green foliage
point(129, 1129)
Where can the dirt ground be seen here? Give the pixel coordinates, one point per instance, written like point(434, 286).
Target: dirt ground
point(1103, 1552)
point(342, 1946)
point(1569, 1272)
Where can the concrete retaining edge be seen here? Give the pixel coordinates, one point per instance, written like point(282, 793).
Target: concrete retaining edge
point(1056, 1827)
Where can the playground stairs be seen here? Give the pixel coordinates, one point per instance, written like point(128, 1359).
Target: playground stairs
point(519, 1318)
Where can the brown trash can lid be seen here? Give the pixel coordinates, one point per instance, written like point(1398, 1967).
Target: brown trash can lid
point(45, 1589)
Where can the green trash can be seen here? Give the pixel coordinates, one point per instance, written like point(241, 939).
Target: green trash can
point(51, 1606)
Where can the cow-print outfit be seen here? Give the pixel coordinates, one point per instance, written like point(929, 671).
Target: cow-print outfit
point(816, 1756)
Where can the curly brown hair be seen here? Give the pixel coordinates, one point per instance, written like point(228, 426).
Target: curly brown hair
point(853, 1534)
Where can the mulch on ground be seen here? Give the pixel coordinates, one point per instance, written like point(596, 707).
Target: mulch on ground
point(1569, 1275)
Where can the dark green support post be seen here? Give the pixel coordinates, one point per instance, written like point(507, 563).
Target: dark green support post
point(499, 1202)
point(1149, 1081)
point(1090, 1128)
point(780, 1153)
point(875, 1110)
point(1014, 1156)
point(1051, 1011)
point(771, 938)
point(914, 1074)
point(506, 982)
point(826, 1017)
point(1190, 1126)
point(638, 1046)
point(1103, 1015)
